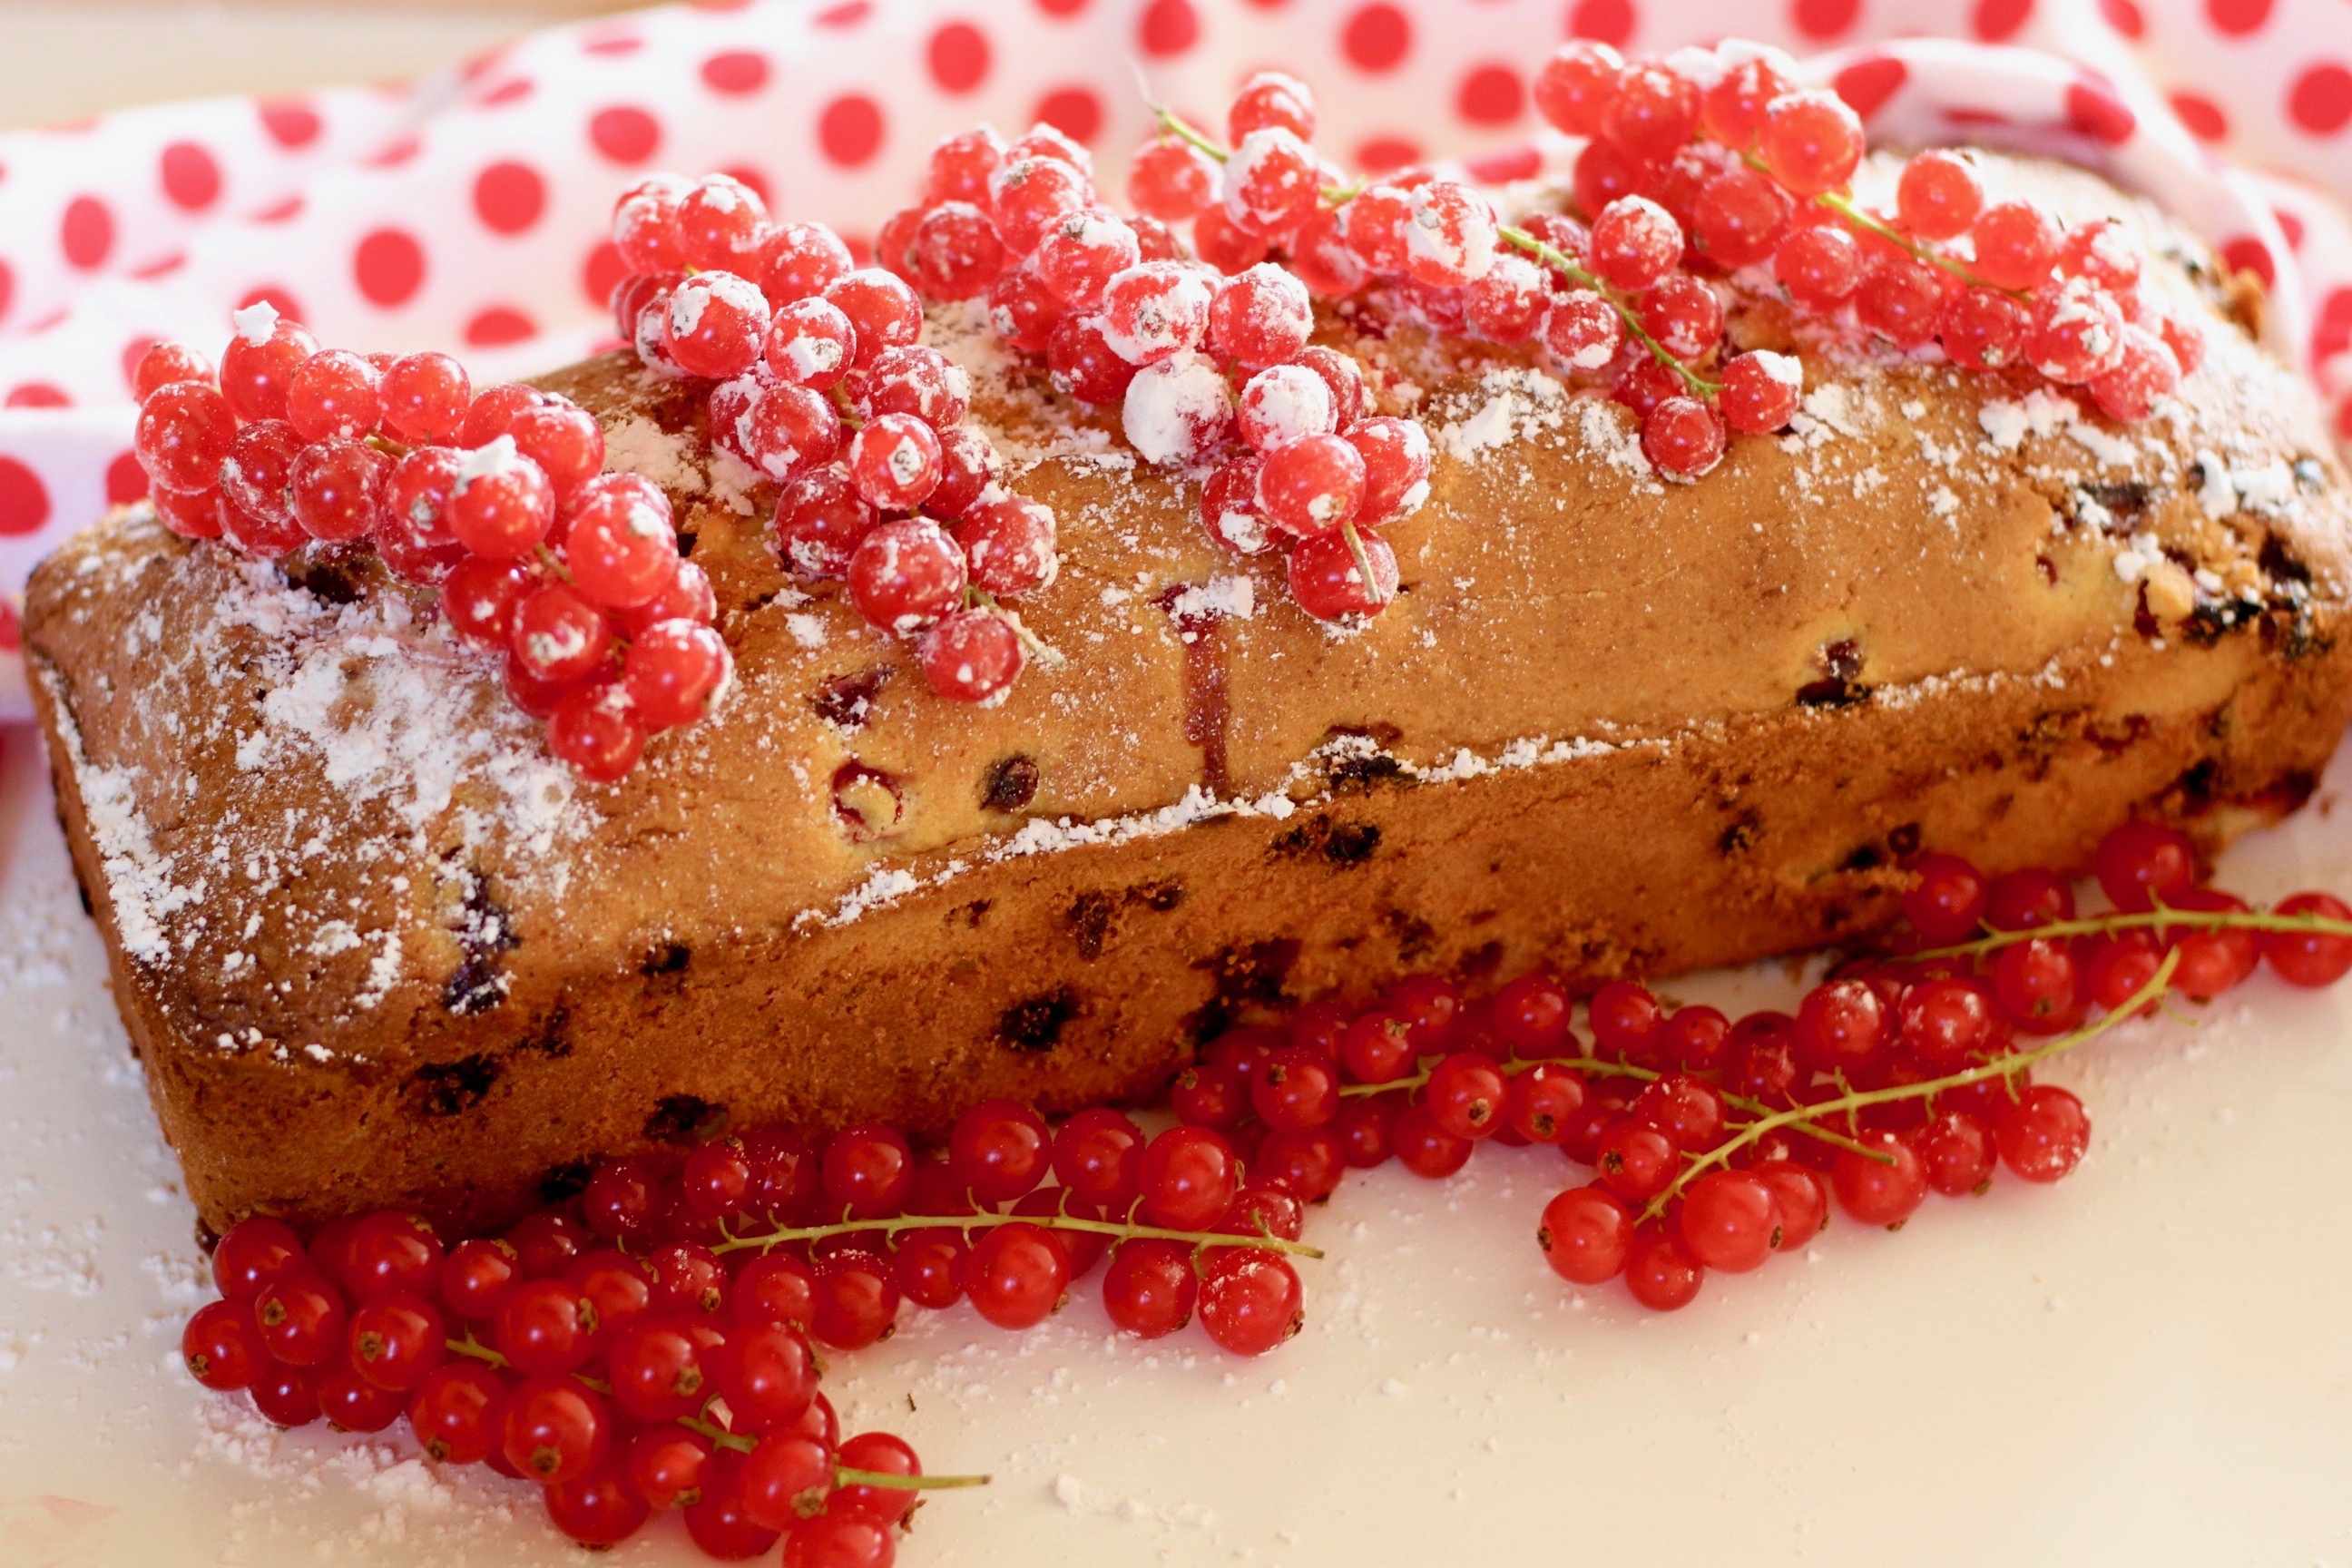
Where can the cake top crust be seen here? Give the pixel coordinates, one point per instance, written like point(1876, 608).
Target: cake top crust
point(318, 816)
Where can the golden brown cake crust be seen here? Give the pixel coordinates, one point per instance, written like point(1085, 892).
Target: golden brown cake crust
point(374, 947)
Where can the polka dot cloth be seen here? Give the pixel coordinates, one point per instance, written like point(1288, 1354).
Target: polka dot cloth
point(468, 213)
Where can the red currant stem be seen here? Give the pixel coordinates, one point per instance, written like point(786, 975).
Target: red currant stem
point(1558, 260)
point(471, 1346)
point(1121, 1230)
point(387, 445)
point(1045, 652)
point(1602, 1067)
point(843, 1475)
point(2003, 1067)
point(2159, 920)
point(1363, 562)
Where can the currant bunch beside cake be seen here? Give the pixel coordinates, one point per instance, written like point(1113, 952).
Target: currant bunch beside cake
point(819, 380)
point(497, 500)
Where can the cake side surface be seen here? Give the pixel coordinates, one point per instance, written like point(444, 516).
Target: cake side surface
point(1611, 724)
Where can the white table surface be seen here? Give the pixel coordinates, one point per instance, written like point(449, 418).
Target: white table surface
point(2149, 1363)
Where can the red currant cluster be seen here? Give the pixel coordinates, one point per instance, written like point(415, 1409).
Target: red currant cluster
point(620, 1384)
point(497, 500)
point(1716, 1142)
point(821, 384)
point(1205, 357)
point(648, 1345)
point(1719, 160)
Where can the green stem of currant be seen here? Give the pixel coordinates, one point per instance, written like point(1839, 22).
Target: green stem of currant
point(1861, 217)
point(2003, 1067)
point(1559, 261)
point(2159, 920)
point(1038, 649)
point(1518, 238)
point(843, 1475)
point(1119, 1229)
point(1363, 564)
point(1599, 1066)
point(477, 1349)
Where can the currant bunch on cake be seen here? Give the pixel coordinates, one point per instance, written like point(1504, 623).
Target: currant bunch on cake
point(1206, 358)
point(497, 500)
point(1718, 158)
point(819, 380)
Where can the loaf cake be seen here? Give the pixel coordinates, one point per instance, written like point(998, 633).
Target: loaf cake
point(374, 946)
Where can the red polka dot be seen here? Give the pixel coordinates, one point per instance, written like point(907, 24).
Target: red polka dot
point(2237, 15)
point(160, 265)
point(389, 267)
point(2343, 420)
point(602, 274)
point(125, 479)
point(2289, 226)
point(479, 66)
point(88, 232)
point(514, 89)
point(279, 298)
point(290, 122)
point(1168, 27)
point(624, 133)
point(850, 129)
point(1604, 21)
point(2124, 16)
point(509, 196)
point(1523, 162)
point(1867, 84)
point(847, 16)
point(11, 638)
point(2321, 98)
point(499, 325)
point(1997, 20)
point(1075, 111)
point(1824, 18)
point(959, 57)
point(1377, 38)
point(620, 42)
point(736, 71)
point(1382, 153)
point(279, 211)
point(1061, 8)
point(7, 288)
point(394, 153)
point(1491, 95)
point(2201, 115)
point(23, 499)
point(191, 178)
point(2333, 335)
point(2092, 108)
point(2248, 254)
point(38, 394)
